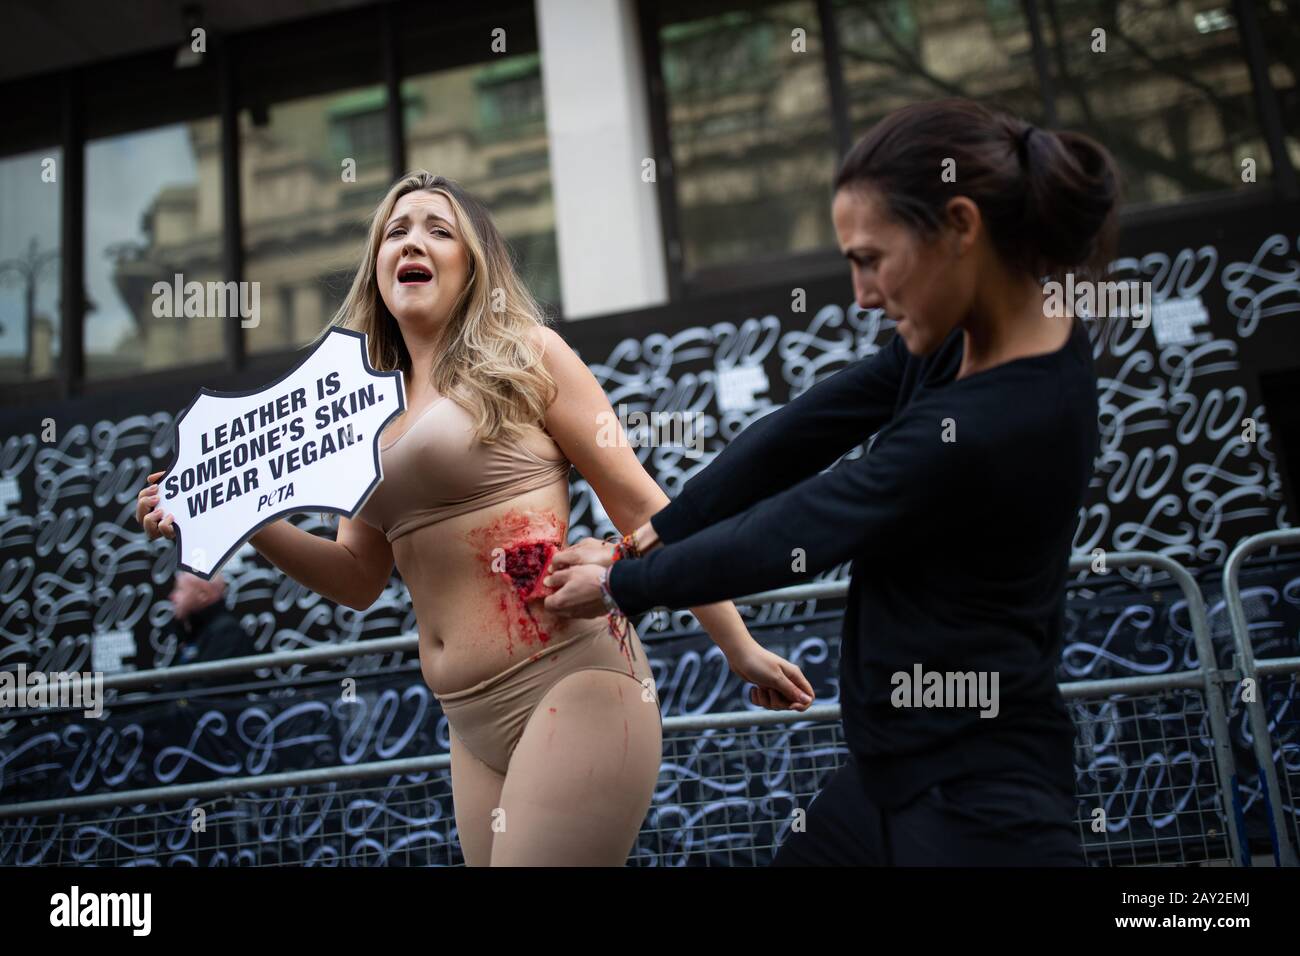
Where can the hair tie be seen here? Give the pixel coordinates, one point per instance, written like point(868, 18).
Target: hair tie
point(1022, 143)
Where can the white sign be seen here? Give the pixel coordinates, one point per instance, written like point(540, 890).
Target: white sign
point(9, 494)
point(738, 385)
point(109, 651)
point(307, 442)
point(1176, 319)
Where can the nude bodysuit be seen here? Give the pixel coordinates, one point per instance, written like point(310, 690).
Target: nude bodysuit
point(437, 473)
point(437, 469)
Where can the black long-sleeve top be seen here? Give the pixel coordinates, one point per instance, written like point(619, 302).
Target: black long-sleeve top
point(958, 521)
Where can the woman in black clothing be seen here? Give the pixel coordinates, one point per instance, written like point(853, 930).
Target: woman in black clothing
point(958, 520)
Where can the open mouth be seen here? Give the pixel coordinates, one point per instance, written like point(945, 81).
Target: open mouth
point(412, 274)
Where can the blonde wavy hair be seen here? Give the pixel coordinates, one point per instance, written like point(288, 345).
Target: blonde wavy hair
point(488, 364)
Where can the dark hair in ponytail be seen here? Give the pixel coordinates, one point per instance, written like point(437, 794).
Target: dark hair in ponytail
point(1048, 200)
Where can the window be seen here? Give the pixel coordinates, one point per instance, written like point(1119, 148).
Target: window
point(29, 264)
point(1170, 96)
point(897, 52)
point(312, 169)
point(484, 126)
point(510, 93)
point(749, 124)
point(1281, 31)
point(358, 127)
point(153, 215)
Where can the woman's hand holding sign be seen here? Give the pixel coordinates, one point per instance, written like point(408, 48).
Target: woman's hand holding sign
point(155, 523)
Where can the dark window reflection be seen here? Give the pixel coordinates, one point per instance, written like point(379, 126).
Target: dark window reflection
point(1171, 95)
point(485, 126)
point(30, 187)
point(153, 213)
point(897, 52)
point(312, 171)
point(1279, 22)
point(750, 127)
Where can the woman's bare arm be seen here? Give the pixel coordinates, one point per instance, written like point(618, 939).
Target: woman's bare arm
point(351, 570)
point(578, 418)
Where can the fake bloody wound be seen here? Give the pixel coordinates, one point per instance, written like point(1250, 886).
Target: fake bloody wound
point(517, 548)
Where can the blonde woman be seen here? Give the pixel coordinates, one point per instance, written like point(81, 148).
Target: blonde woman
point(556, 730)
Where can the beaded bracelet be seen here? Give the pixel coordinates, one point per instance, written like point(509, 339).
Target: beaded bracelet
point(625, 547)
point(629, 546)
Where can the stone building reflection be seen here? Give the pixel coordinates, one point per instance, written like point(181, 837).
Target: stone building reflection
point(312, 172)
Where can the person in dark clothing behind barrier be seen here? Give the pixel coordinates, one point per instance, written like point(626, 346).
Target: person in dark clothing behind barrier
point(206, 630)
point(958, 519)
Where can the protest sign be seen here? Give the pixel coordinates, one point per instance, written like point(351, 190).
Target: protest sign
point(309, 441)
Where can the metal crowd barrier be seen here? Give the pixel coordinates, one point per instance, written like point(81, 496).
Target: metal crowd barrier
point(1207, 679)
point(1253, 670)
point(799, 752)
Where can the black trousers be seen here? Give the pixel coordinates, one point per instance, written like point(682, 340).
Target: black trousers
point(972, 821)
